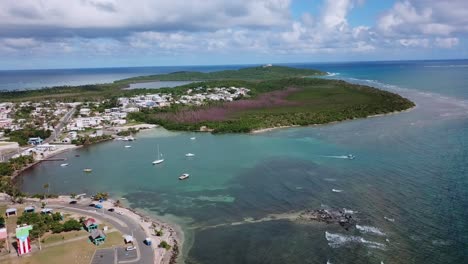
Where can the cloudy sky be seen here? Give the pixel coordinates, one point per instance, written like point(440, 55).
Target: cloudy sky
point(111, 33)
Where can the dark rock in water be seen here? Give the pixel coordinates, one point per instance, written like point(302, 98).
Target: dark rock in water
point(329, 216)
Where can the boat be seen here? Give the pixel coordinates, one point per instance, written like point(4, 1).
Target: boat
point(193, 138)
point(184, 176)
point(350, 156)
point(77, 155)
point(87, 170)
point(129, 138)
point(159, 158)
point(63, 164)
point(189, 155)
point(128, 146)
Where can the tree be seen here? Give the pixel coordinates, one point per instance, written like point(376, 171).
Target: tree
point(101, 196)
point(56, 228)
point(46, 186)
point(71, 225)
point(164, 245)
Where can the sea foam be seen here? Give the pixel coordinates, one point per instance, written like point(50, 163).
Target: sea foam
point(337, 240)
point(370, 229)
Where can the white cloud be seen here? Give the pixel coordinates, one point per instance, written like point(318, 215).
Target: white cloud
point(200, 27)
point(107, 15)
point(446, 42)
point(425, 17)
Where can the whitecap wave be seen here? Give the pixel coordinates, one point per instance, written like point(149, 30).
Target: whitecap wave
point(330, 179)
point(447, 66)
point(370, 229)
point(347, 211)
point(337, 240)
point(330, 74)
point(389, 219)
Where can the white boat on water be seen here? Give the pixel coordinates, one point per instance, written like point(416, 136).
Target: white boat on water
point(128, 146)
point(88, 170)
point(184, 176)
point(193, 138)
point(350, 156)
point(63, 164)
point(159, 158)
point(189, 155)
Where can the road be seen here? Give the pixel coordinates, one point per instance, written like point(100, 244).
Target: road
point(63, 121)
point(145, 253)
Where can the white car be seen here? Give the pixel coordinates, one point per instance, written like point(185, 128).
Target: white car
point(130, 248)
point(120, 213)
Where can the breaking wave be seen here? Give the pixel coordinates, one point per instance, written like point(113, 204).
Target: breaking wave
point(370, 229)
point(330, 74)
point(337, 240)
point(347, 211)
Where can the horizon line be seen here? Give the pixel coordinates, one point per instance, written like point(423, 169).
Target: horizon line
point(236, 64)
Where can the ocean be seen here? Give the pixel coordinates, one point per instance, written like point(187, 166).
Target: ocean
point(407, 186)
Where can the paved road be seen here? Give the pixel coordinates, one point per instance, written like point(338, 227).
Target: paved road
point(63, 121)
point(146, 254)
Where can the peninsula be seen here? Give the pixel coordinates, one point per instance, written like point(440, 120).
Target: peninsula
point(230, 101)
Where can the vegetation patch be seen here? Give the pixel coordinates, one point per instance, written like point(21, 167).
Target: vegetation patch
point(274, 103)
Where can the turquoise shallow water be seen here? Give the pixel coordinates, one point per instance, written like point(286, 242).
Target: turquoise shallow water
point(410, 167)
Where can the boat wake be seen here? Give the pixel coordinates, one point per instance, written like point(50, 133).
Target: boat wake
point(337, 240)
point(339, 157)
point(371, 230)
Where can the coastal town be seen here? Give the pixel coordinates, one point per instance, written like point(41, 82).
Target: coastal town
point(33, 132)
point(42, 129)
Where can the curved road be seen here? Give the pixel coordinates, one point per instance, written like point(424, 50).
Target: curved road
point(145, 253)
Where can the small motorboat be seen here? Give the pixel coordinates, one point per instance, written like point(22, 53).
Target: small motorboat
point(189, 155)
point(184, 176)
point(193, 138)
point(77, 155)
point(350, 156)
point(87, 170)
point(128, 146)
point(63, 164)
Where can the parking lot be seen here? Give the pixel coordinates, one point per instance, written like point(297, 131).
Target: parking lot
point(107, 256)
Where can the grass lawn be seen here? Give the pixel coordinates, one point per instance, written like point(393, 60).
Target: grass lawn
point(78, 252)
point(52, 238)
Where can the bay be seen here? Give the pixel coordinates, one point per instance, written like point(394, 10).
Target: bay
point(409, 179)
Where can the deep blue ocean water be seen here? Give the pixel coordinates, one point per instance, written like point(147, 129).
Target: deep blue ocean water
point(408, 184)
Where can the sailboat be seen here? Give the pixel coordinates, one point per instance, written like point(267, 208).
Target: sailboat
point(159, 159)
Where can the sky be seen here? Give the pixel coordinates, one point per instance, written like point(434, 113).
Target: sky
point(36, 34)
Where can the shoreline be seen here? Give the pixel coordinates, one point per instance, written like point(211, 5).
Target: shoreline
point(172, 233)
point(268, 129)
point(51, 155)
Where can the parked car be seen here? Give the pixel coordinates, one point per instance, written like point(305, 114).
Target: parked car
point(120, 213)
point(130, 248)
point(73, 202)
point(111, 210)
point(92, 205)
point(98, 206)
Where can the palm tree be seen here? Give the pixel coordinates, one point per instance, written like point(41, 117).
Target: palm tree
point(46, 186)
